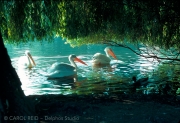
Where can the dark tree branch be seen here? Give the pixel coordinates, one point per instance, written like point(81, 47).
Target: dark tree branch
point(150, 54)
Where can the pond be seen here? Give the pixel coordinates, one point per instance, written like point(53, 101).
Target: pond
point(89, 82)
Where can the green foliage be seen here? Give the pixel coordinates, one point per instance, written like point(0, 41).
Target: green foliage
point(155, 23)
point(169, 71)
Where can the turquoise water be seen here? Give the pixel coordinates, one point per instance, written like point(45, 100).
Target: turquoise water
point(89, 81)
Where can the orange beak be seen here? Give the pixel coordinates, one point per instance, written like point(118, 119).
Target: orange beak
point(112, 54)
point(29, 55)
point(79, 60)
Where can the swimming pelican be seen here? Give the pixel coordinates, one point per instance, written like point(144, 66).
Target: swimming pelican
point(100, 60)
point(63, 70)
point(26, 61)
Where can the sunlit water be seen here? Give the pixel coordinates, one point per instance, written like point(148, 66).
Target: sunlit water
point(89, 82)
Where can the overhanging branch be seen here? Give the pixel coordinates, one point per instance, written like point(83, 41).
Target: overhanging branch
point(112, 43)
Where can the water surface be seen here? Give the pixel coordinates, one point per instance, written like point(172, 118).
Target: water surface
point(89, 82)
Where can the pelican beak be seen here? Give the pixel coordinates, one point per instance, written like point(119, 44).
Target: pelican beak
point(29, 55)
point(79, 60)
point(112, 54)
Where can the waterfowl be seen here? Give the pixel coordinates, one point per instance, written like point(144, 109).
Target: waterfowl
point(64, 70)
point(100, 60)
point(140, 82)
point(26, 61)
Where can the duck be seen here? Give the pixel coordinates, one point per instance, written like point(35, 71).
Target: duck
point(140, 82)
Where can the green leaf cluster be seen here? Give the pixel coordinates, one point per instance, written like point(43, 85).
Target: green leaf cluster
point(155, 22)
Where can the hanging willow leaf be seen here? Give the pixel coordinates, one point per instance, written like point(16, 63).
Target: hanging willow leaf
point(86, 21)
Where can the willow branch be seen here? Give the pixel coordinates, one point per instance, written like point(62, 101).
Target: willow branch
point(112, 43)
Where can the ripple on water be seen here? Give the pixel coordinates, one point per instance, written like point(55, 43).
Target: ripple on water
point(34, 82)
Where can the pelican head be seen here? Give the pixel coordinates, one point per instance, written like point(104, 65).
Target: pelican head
point(109, 52)
point(74, 58)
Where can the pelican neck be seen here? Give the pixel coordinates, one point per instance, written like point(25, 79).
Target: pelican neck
point(72, 62)
point(29, 60)
point(107, 54)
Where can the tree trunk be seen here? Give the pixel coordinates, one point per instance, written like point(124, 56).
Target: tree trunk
point(14, 105)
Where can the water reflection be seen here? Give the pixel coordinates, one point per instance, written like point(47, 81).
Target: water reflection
point(89, 81)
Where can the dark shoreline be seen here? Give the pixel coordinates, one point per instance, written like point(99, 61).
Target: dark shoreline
point(87, 108)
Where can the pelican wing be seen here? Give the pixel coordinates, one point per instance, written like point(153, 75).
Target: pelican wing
point(58, 70)
point(101, 58)
point(61, 67)
point(60, 74)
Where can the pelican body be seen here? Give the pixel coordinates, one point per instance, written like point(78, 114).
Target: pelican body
point(26, 61)
point(64, 70)
point(100, 60)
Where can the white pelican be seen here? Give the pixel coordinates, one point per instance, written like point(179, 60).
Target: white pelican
point(100, 60)
point(63, 70)
point(26, 61)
